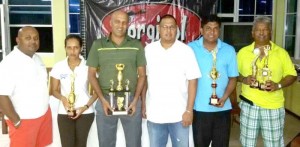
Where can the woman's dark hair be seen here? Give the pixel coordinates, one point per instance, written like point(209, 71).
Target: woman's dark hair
point(72, 36)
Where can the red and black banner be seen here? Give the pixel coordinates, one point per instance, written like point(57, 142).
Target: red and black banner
point(144, 17)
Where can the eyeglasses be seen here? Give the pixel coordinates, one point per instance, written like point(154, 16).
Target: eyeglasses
point(169, 27)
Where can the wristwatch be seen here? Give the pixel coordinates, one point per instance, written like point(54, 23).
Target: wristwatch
point(279, 86)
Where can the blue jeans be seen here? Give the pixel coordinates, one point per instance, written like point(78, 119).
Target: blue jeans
point(159, 133)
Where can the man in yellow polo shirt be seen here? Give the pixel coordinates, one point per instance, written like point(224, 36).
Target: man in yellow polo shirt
point(265, 69)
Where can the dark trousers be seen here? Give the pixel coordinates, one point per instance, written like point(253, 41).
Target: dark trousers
point(211, 127)
point(74, 133)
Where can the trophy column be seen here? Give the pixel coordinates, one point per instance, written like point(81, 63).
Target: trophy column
point(255, 84)
point(265, 71)
point(71, 98)
point(214, 75)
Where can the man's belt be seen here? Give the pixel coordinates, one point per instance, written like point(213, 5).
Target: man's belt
point(246, 100)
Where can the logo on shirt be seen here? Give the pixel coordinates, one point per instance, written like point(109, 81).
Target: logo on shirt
point(63, 76)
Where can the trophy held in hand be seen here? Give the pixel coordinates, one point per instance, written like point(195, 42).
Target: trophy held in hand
point(265, 72)
point(119, 96)
point(214, 75)
point(72, 98)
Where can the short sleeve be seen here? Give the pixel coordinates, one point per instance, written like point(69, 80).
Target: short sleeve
point(92, 59)
point(288, 66)
point(193, 71)
point(7, 80)
point(141, 59)
point(232, 64)
point(239, 62)
point(55, 72)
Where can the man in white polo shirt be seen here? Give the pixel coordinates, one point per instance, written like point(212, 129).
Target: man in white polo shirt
point(24, 93)
point(172, 74)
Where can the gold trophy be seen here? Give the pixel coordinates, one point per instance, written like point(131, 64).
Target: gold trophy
point(255, 84)
point(120, 103)
point(71, 98)
point(265, 72)
point(214, 75)
point(119, 96)
point(120, 68)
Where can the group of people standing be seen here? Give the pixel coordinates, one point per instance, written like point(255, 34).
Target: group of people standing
point(173, 86)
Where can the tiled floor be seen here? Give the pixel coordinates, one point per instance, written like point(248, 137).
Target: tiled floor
point(292, 128)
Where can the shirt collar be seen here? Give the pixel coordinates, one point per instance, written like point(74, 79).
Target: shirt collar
point(108, 38)
point(82, 62)
point(219, 43)
point(271, 49)
point(23, 54)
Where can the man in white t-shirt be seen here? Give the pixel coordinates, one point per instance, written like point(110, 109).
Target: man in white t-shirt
point(24, 95)
point(172, 74)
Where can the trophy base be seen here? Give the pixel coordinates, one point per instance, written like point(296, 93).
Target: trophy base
point(119, 102)
point(119, 112)
point(71, 113)
point(214, 100)
point(255, 85)
point(264, 87)
point(267, 89)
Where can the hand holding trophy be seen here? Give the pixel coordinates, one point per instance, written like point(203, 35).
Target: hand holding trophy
point(71, 98)
point(265, 72)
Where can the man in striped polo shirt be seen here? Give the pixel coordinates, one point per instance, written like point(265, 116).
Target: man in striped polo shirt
point(104, 54)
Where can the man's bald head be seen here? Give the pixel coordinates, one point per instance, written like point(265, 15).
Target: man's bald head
point(119, 24)
point(119, 13)
point(28, 40)
point(25, 29)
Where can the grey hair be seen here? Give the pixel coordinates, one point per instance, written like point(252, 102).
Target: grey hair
point(263, 19)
